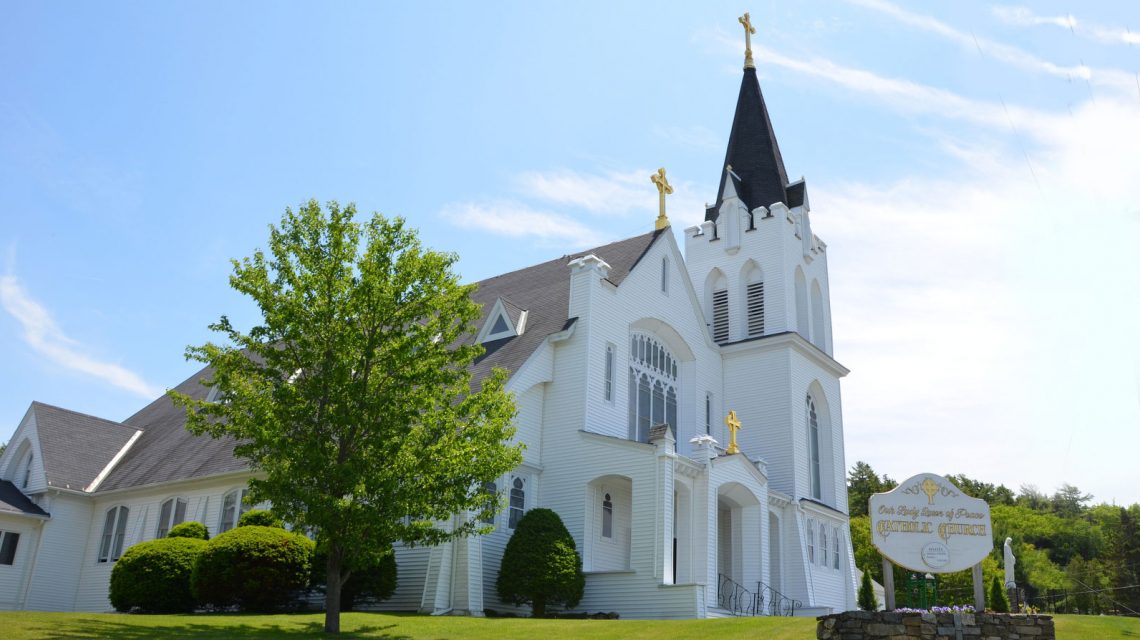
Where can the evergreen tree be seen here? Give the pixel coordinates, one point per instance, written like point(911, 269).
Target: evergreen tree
point(867, 600)
point(541, 565)
point(999, 601)
point(862, 483)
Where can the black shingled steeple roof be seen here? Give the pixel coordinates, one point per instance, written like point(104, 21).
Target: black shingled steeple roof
point(753, 152)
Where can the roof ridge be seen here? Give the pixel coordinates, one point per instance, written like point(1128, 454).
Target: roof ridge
point(85, 415)
point(565, 257)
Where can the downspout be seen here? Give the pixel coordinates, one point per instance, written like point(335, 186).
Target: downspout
point(35, 557)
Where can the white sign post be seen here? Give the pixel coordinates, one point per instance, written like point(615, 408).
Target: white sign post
point(928, 525)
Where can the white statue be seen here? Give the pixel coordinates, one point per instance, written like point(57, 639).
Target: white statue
point(1009, 562)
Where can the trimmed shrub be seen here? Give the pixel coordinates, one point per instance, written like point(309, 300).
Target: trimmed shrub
point(255, 568)
point(369, 582)
point(867, 600)
point(259, 518)
point(195, 530)
point(541, 565)
point(999, 600)
point(154, 577)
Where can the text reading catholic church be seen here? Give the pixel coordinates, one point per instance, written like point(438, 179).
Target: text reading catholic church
point(681, 414)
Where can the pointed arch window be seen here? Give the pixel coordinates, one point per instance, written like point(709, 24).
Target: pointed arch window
point(720, 316)
point(811, 540)
point(652, 386)
point(233, 506)
point(171, 513)
point(813, 449)
point(835, 548)
point(823, 545)
point(517, 501)
point(607, 517)
point(28, 470)
point(114, 533)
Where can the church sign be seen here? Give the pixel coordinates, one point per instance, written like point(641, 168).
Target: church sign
point(927, 524)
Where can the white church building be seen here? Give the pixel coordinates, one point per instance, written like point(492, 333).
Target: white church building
point(625, 361)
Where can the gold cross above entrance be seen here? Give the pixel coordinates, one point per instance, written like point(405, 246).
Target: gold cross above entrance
point(748, 31)
point(733, 426)
point(663, 188)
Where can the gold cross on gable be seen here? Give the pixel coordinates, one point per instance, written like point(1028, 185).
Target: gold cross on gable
point(748, 31)
point(733, 426)
point(663, 188)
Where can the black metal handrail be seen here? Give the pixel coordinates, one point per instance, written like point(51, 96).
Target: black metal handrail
point(773, 603)
point(733, 597)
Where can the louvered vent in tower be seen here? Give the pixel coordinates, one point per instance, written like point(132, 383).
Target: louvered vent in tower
point(720, 316)
point(756, 309)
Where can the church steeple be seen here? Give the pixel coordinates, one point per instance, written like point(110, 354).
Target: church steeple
point(752, 152)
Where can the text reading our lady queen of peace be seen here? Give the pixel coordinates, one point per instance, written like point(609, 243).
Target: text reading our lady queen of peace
point(906, 520)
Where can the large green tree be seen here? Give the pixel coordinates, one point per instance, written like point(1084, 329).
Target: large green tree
point(862, 483)
point(352, 396)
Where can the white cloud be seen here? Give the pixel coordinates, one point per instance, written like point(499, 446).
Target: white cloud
point(1113, 78)
point(45, 336)
point(610, 193)
point(517, 220)
point(1109, 35)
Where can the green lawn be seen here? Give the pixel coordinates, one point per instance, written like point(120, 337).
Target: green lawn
point(18, 626)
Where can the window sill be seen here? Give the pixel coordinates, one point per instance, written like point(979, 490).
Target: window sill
point(608, 572)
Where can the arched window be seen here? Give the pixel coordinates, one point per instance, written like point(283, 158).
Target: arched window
point(607, 517)
point(28, 470)
point(835, 548)
point(802, 325)
point(517, 502)
point(819, 325)
point(752, 292)
point(823, 545)
point(114, 533)
point(716, 305)
point(811, 540)
point(233, 506)
point(172, 512)
point(813, 449)
point(492, 489)
point(652, 386)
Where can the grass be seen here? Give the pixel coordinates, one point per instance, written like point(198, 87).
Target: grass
point(21, 626)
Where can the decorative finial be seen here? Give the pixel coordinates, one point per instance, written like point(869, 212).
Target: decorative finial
point(663, 188)
point(733, 426)
point(728, 167)
point(748, 31)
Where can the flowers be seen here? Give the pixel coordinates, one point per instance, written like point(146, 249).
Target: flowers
point(955, 609)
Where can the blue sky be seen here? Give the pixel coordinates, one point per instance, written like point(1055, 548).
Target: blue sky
point(972, 168)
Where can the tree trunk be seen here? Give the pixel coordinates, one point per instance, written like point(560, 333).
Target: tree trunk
point(538, 607)
point(333, 583)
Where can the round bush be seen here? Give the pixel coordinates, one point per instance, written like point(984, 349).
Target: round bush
point(259, 518)
point(195, 530)
point(154, 577)
point(541, 565)
point(255, 568)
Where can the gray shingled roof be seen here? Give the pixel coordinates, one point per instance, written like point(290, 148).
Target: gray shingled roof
point(75, 446)
point(12, 500)
point(166, 451)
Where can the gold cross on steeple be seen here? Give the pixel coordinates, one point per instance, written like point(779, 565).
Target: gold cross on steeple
point(733, 426)
point(748, 31)
point(663, 188)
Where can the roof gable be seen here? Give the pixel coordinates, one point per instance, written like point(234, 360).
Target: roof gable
point(76, 447)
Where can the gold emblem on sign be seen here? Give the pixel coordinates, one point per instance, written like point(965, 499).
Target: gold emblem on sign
point(930, 487)
point(733, 426)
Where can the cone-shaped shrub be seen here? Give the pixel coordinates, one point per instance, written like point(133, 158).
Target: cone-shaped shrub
point(259, 518)
point(154, 577)
point(255, 568)
point(195, 530)
point(999, 601)
point(867, 600)
point(541, 566)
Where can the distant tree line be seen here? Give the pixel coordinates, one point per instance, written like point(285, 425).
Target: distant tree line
point(1062, 541)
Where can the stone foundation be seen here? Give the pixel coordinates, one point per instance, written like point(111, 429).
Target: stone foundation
point(894, 625)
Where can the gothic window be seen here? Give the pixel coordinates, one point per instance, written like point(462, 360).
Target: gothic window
point(835, 548)
point(813, 450)
point(517, 502)
point(607, 517)
point(823, 545)
point(652, 386)
point(172, 512)
point(114, 532)
point(233, 506)
point(665, 275)
point(492, 489)
point(609, 380)
point(8, 542)
point(811, 540)
point(720, 316)
point(28, 470)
